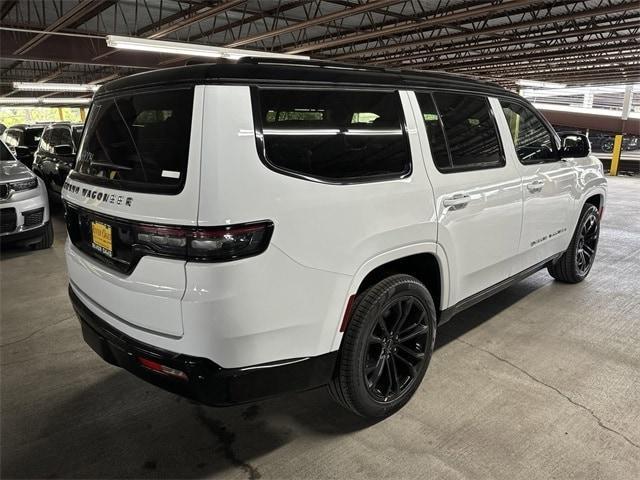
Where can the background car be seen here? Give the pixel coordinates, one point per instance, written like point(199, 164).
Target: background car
point(24, 206)
point(23, 140)
point(604, 142)
point(55, 156)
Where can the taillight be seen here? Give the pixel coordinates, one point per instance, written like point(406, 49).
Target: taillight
point(212, 244)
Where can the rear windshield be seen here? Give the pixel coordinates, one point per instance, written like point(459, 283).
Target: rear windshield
point(32, 136)
point(138, 142)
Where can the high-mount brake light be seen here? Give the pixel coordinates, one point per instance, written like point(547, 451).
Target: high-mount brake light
point(205, 243)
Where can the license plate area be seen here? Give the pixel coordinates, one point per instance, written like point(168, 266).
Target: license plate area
point(101, 238)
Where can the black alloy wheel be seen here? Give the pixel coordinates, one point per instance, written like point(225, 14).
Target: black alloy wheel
point(575, 263)
point(397, 349)
point(587, 243)
point(386, 348)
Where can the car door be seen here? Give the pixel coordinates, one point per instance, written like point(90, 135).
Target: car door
point(549, 183)
point(477, 191)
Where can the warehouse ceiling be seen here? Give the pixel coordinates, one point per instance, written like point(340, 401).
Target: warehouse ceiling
point(572, 42)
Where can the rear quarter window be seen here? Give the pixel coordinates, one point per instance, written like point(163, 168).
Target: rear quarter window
point(333, 136)
point(138, 142)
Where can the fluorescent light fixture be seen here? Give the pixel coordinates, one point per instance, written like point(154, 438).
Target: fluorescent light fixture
point(43, 101)
point(536, 83)
point(17, 100)
point(190, 49)
point(55, 87)
point(65, 101)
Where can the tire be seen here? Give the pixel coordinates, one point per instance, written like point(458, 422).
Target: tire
point(607, 146)
point(575, 263)
point(47, 238)
point(373, 347)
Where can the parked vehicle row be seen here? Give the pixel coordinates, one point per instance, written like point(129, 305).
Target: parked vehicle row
point(288, 225)
point(55, 156)
point(604, 142)
point(49, 150)
point(23, 141)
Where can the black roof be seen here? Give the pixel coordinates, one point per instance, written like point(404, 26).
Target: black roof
point(266, 71)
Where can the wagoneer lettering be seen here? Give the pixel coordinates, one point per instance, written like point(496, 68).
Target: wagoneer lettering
point(316, 224)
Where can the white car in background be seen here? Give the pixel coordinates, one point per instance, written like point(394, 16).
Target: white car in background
point(24, 206)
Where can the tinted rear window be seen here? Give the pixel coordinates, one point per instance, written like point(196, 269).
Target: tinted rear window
point(138, 142)
point(5, 154)
point(32, 136)
point(470, 130)
point(341, 136)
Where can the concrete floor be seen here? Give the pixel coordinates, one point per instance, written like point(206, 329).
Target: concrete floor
point(541, 381)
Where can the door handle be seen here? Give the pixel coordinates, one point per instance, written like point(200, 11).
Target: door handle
point(535, 186)
point(459, 200)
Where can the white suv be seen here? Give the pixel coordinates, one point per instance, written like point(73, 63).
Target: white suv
point(244, 229)
point(24, 206)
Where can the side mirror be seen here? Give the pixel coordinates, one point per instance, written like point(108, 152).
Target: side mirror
point(575, 145)
point(63, 150)
point(22, 151)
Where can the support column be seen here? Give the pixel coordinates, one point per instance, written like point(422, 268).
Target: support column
point(617, 143)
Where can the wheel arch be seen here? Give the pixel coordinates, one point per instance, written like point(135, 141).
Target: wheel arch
point(422, 261)
point(595, 199)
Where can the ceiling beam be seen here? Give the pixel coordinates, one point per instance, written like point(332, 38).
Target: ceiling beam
point(6, 7)
point(528, 53)
point(463, 47)
point(453, 16)
point(86, 8)
point(547, 19)
point(554, 64)
point(198, 17)
point(254, 17)
point(348, 12)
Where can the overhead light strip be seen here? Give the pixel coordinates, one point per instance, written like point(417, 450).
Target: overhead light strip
point(190, 49)
point(43, 101)
point(55, 87)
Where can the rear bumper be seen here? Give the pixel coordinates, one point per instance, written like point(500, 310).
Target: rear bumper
point(206, 382)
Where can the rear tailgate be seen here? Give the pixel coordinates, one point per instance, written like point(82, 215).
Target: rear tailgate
point(138, 164)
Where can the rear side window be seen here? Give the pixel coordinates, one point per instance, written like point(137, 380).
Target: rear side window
point(12, 138)
point(533, 141)
point(466, 125)
point(335, 136)
point(138, 142)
